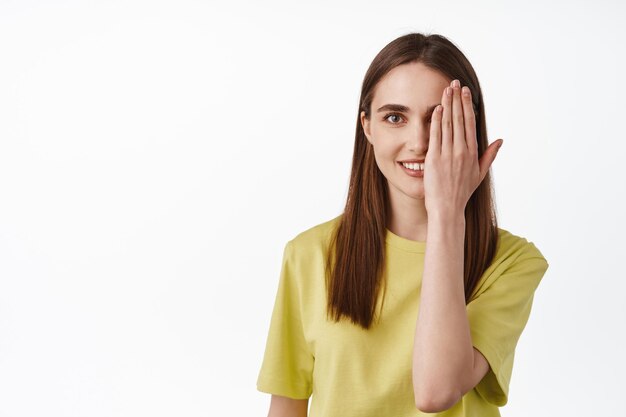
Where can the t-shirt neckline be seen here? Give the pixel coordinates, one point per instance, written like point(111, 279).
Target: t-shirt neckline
point(408, 245)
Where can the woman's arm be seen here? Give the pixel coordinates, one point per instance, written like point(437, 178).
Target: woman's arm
point(444, 367)
point(443, 355)
point(288, 407)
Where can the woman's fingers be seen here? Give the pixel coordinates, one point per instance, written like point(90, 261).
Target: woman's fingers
point(470, 122)
point(458, 125)
point(434, 144)
point(446, 122)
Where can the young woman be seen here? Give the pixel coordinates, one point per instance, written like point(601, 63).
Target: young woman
point(413, 299)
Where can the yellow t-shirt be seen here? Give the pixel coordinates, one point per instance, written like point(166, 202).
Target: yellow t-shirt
point(352, 372)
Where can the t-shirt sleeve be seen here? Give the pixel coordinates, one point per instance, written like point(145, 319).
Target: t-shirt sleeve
point(287, 366)
point(497, 317)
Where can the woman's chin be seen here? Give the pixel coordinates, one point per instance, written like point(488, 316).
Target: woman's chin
point(414, 192)
point(415, 189)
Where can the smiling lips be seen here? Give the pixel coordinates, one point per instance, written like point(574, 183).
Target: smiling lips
point(413, 169)
point(421, 161)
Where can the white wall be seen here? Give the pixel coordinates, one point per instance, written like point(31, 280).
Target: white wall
point(155, 157)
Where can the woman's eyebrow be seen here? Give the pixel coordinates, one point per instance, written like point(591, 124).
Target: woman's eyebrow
point(402, 108)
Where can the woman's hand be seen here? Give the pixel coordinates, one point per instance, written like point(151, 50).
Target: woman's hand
point(452, 171)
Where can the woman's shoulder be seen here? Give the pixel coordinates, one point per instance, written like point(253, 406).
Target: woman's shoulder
point(316, 236)
point(514, 247)
point(517, 261)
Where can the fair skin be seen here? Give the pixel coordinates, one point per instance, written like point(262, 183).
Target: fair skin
point(428, 209)
point(287, 407)
point(431, 209)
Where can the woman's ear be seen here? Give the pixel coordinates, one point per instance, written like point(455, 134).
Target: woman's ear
point(366, 126)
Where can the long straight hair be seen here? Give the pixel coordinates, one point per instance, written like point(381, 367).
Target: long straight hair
point(354, 269)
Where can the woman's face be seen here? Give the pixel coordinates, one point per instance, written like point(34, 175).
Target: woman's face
point(401, 134)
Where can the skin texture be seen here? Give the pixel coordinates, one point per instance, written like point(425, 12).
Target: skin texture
point(288, 407)
point(431, 209)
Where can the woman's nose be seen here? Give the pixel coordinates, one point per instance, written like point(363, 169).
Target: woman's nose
point(418, 140)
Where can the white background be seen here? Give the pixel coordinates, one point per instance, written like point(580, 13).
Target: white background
point(155, 157)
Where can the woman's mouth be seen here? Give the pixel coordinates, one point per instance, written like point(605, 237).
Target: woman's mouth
point(413, 169)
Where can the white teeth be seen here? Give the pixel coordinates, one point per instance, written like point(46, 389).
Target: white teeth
point(416, 166)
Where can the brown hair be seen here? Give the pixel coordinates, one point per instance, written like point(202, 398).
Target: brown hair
point(356, 252)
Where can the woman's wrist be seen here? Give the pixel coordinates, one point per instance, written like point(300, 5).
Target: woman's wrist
point(446, 225)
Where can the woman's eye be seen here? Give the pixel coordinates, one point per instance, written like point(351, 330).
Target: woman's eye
point(392, 115)
point(388, 116)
